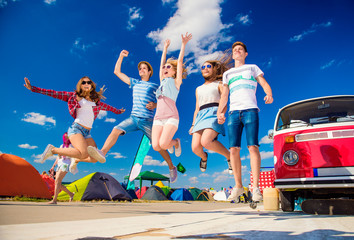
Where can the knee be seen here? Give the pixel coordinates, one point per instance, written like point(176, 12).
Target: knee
point(206, 143)
point(116, 132)
point(156, 147)
point(164, 146)
point(253, 149)
point(235, 150)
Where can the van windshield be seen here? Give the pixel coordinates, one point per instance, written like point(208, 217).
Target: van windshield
point(318, 111)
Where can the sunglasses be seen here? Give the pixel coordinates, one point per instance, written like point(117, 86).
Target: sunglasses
point(166, 67)
point(206, 66)
point(86, 82)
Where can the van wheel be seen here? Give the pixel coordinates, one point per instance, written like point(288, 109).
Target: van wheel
point(287, 201)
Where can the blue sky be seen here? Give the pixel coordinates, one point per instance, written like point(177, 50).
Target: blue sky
point(305, 49)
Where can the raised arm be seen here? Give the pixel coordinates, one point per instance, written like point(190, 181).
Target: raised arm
point(61, 95)
point(106, 107)
point(163, 56)
point(117, 68)
point(179, 76)
point(266, 88)
point(223, 104)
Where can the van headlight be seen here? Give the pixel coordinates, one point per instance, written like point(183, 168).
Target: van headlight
point(290, 157)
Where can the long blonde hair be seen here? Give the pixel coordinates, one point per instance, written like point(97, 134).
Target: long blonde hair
point(173, 63)
point(94, 95)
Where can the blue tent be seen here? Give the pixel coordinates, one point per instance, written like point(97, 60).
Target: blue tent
point(181, 194)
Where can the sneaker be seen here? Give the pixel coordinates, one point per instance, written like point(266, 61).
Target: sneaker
point(235, 193)
point(73, 167)
point(170, 150)
point(96, 154)
point(203, 164)
point(178, 150)
point(257, 195)
point(47, 153)
point(230, 168)
point(173, 174)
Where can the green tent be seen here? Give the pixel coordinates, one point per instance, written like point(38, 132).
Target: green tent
point(150, 176)
point(195, 192)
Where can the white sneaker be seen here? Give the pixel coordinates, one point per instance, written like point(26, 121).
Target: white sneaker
point(170, 150)
point(73, 167)
point(173, 174)
point(96, 154)
point(235, 193)
point(257, 195)
point(47, 153)
point(230, 168)
point(178, 150)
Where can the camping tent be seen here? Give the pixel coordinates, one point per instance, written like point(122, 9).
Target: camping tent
point(221, 196)
point(195, 192)
point(154, 193)
point(50, 182)
point(150, 176)
point(205, 196)
point(181, 194)
point(97, 186)
point(141, 191)
point(19, 178)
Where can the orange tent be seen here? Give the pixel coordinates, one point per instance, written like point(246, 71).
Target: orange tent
point(19, 178)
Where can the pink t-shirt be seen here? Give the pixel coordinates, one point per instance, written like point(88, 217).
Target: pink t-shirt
point(166, 108)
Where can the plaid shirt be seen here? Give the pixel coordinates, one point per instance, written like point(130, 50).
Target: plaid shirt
point(73, 104)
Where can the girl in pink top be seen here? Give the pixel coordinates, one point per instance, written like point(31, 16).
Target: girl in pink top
point(166, 117)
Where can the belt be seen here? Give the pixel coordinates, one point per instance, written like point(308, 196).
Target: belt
point(208, 105)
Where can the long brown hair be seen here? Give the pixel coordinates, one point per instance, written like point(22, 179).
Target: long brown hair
point(220, 65)
point(94, 95)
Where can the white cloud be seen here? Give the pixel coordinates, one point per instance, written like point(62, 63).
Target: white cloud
point(193, 180)
point(222, 176)
point(38, 118)
point(189, 17)
point(117, 155)
point(113, 174)
point(167, 1)
point(312, 29)
point(327, 65)
point(134, 16)
point(265, 155)
point(204, 175)
point(244, 19)
point(80, 47)
point(111, 120)
point(102, 114)
point(49, 2)
point(266, 140)
point(38, 156)
point(3, 3)
point(152, 162)
point(27, 146)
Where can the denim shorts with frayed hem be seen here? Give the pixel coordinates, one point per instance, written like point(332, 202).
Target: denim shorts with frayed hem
point(133, 123)
point(76, 128)
point(240, 119)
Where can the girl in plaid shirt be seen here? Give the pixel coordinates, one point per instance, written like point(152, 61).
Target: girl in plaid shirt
point(84, 106)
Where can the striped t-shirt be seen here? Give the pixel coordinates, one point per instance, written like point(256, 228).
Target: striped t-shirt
point(143, 93)
point(242, 85)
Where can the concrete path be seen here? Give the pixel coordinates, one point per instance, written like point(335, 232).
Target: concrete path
point(164, 220)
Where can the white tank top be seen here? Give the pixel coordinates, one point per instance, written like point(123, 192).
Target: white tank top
point(208, 93)
point(84, 114)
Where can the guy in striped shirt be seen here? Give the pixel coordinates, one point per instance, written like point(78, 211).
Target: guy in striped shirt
point(141, 117)
point(241, 82)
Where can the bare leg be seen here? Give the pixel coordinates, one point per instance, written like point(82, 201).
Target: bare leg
point(236, 165)
point(167, 134)
point(166, 156)
point(89, 142)
point(79, 151)
point(111, 140)
point(58, 180)
point(207, 141)
point(155, 137)
point(255, 164)
point(197, 147)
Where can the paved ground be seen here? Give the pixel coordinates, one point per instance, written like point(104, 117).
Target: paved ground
point(163, 220)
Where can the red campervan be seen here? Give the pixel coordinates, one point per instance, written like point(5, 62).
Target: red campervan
point(314, 150)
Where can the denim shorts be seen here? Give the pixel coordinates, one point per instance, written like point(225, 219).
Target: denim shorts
point(76, 128)
point(240, 119)
point(133, 123)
